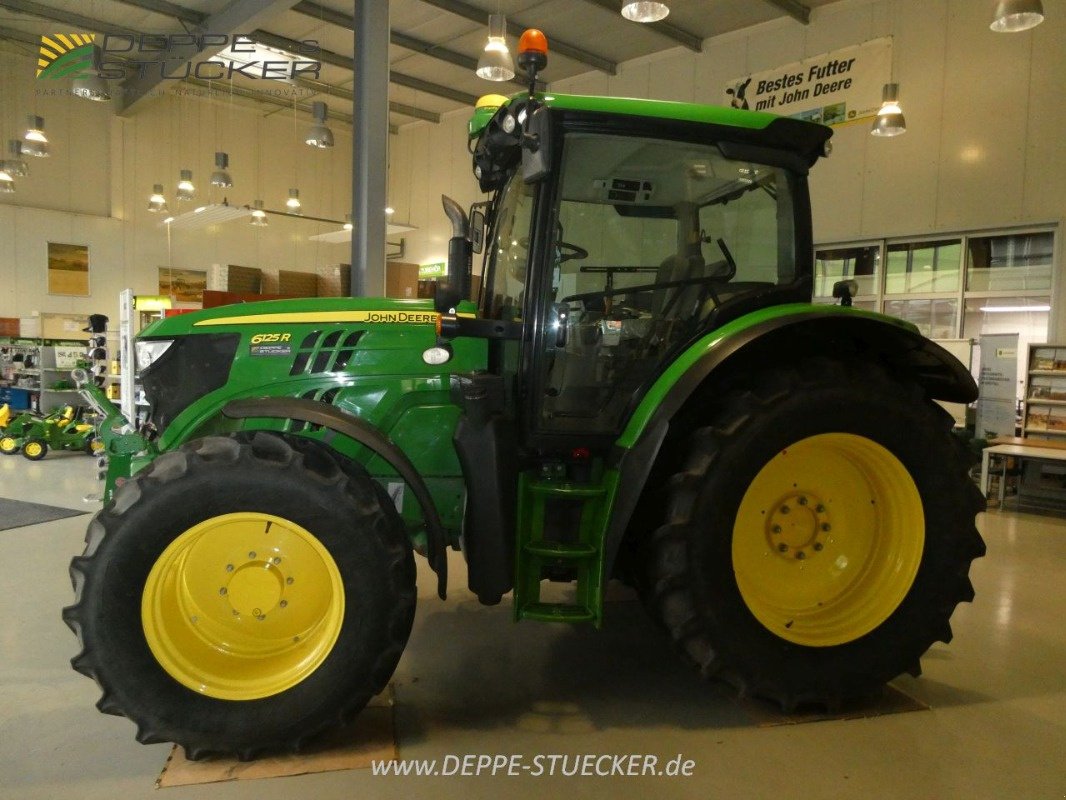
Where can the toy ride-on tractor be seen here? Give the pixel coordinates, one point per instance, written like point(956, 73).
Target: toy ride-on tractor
point(643, 391)
point(67, 431)
point(13, 435)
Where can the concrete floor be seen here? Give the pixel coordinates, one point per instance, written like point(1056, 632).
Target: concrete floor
point(473, 682)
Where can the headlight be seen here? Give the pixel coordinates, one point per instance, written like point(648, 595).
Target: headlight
point(149, 351)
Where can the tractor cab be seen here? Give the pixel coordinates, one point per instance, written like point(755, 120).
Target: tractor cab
point(645, 226)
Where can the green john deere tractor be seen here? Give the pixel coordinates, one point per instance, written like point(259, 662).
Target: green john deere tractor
point(643, 391)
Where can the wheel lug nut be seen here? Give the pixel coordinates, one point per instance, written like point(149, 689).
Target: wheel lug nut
point(283, 603)
point(785, 509)
point(803, 501)
point(222, 591)
point(229, 568)
point(261, 617)
point(776, 529)
point(826, 526)
point(276, 560)
point(818, 546)
point(251, 554)
point(820, 508)
point(289, 581)
point(783, 547)
point(801, 555)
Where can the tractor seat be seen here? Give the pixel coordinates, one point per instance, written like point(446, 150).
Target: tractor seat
point(5, 415)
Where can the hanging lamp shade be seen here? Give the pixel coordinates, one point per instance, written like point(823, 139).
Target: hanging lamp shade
point(889, 121)
point(91, 86)
point(496, 63)
point(186, 190)
point(157, 203)
point(319, 135)
point(7, 182)
point(644, 10)
point(16, 166)
point(293, 203)
point(35, 143)
point(220, 177)
point(259, 217)
point(1013, 16)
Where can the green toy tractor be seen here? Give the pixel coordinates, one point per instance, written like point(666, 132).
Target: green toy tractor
point(66, 430)
point(29, 425)
point(643, 391)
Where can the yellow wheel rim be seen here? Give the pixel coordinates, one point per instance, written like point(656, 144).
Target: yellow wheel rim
point(8, 445)
point(828, 539)
point(243, 606)
point(33, 449)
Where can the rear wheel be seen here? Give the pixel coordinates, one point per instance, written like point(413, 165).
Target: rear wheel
point(238, 597)
point(35, 449)
point(9, 445)
point(94, 446)
point(819, 537)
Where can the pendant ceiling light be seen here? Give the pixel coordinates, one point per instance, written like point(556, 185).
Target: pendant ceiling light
point(157, 203)
point(36, 143)
point(259, 217)
point(1012, 16)
point(293, 203)
point(220, 177)
point(889, 121)
point(496, 63)
point(7, 183)
point(16, 166)
point(186, 190)
point(644, 10)
point(320, 135)
point(91, 86)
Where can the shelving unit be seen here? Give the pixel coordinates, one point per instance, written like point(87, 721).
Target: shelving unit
point(1045, 392)
point(31, 387)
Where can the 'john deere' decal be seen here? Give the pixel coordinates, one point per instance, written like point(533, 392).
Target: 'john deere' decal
point(304, 317)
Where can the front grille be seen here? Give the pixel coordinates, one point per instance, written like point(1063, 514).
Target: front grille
point(325, 353)
point(189, 369)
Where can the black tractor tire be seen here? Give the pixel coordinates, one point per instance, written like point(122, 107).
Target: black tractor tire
point(691, 574)
point(343, 508)
point(35, 449)
point(91, 445)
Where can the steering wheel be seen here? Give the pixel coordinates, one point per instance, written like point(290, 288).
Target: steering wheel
point(570, 252)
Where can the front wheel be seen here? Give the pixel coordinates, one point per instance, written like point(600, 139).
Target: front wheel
point(819, 537)
point(241, 596)
point(35, 449)
point(9, 445)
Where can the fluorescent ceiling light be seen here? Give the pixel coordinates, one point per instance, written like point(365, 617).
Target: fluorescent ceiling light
point(1013, 309)
point(204, 216)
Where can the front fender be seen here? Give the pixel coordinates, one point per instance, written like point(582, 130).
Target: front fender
point(371, 437)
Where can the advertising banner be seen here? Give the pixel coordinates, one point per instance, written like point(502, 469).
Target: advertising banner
point(833, 88)
point(998, 384)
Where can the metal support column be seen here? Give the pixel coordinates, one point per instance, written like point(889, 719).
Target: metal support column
point(370, 138)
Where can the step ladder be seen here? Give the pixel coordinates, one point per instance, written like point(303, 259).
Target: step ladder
point(537, 555)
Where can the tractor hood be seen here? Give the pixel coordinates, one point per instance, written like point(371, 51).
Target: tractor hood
point(309, 311)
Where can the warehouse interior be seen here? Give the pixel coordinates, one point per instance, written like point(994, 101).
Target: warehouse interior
point(954, 225)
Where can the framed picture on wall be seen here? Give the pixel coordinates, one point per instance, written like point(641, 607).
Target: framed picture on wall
point(68, 269)
point(184, 285)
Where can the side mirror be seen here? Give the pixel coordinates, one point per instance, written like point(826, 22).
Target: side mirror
point(477, 230)
point(537, 146)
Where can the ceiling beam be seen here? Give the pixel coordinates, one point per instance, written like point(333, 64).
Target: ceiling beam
point(346, 62)
point(321, 87)
point(251, 94)
point(690, 40)
point(794, 9)
point(19, 36)
point(555, 44)
point(168, 9)
point(62, 16)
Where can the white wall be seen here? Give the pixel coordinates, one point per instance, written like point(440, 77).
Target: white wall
point(985, 119)
point(94, 189)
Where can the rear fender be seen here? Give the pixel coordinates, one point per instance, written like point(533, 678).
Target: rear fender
point(782, 334)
